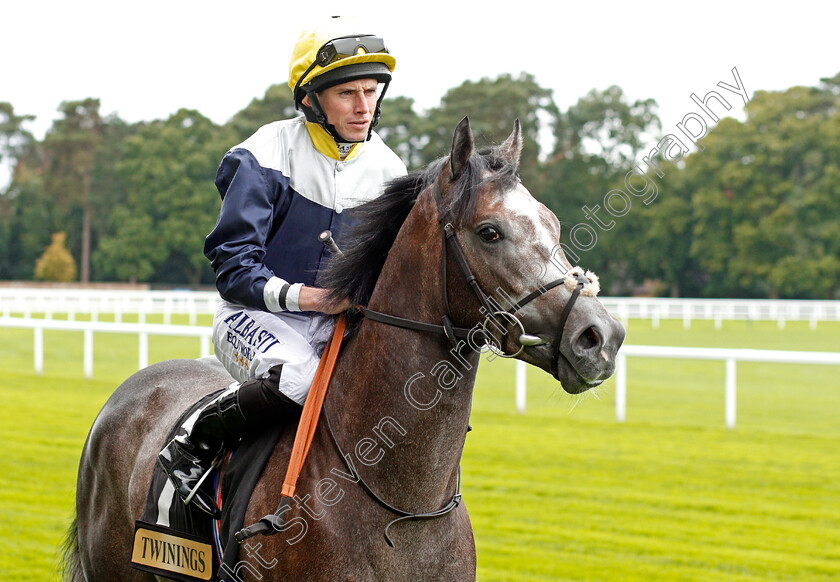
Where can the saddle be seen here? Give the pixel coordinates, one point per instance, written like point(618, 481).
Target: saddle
point(181, 542)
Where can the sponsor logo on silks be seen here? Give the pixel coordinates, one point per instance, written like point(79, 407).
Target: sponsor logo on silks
point(170, 553)
point(247, 337)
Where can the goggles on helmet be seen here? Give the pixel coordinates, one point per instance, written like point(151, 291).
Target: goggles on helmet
point(342, 48)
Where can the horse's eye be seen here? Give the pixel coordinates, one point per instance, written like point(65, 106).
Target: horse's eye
point(490, 234)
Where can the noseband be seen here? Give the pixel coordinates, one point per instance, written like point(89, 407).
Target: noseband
point(575, 280)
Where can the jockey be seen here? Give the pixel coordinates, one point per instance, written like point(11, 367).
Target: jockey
point(280, 189)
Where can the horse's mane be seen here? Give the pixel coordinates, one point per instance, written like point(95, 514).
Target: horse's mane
point(375, 224)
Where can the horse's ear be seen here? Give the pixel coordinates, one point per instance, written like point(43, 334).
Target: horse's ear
point(462, 148)
point(512, 148)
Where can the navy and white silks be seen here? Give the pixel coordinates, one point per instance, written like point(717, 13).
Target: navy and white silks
point(279, 192)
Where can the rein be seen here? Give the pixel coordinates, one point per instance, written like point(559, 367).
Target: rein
point(316, 405)
point(453, 503)
point(489, 308)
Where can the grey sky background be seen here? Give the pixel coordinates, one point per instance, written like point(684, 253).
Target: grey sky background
point(147, 60)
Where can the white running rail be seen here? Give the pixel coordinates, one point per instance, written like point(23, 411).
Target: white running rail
point(26, 301)
point(143, 331)
point(720, 310)
point(729, 356)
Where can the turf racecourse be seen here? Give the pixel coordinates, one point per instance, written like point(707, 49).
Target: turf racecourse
point(562, 492)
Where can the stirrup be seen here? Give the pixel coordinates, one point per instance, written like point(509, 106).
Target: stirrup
point(177, 459)
point(205, 505)
point(199, 501)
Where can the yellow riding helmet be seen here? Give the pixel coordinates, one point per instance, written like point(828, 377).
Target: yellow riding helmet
point(323, 58)
point(322, 50)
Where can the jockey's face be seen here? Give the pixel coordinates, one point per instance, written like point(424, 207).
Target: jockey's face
point(349, 107)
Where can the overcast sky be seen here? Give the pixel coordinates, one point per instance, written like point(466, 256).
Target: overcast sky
point(145, 60)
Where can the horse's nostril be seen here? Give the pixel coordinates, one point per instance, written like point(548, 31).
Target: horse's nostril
point(589, 339)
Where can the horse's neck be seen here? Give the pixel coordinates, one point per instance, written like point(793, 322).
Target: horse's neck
point(404, 433)
point(402, 399)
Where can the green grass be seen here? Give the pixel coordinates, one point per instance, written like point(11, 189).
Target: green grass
point(562, 492)
point(566, 493)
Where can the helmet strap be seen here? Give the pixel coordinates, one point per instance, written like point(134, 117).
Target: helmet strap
point(315, 114)
point(378, 111)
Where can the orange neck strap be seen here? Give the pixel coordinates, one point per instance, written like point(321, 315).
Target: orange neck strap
point(312, 408)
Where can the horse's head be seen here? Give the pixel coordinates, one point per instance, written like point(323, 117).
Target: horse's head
point(511, 244)
point(502, 266)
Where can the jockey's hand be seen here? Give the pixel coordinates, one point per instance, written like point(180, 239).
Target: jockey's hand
point(316, 299)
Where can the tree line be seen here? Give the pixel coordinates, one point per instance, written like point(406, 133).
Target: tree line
point(755, 213)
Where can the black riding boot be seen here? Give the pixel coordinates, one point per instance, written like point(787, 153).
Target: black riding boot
point(190, 455)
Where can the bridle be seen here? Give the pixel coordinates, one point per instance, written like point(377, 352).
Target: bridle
point(488, 307)
point(575, 280)
point(492, 311)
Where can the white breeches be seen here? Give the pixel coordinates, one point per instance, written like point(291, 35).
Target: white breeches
point(249, 342)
